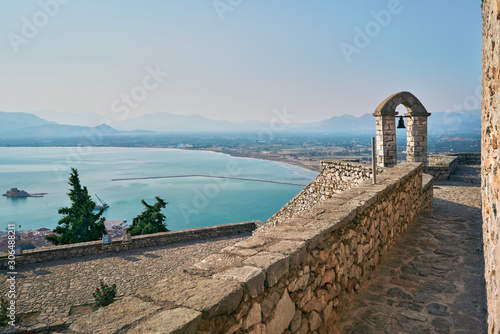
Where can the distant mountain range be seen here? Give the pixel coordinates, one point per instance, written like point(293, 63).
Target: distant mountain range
point(24, 125)
point(87, 118)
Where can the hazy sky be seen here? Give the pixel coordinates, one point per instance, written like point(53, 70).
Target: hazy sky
point(237, 59)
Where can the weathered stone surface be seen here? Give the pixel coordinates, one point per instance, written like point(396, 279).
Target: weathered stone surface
point(295, 324)
point(358, 327)
point(240, 251)
point(214, 263)
point(275, 265)
point(217, 297)
point(437, 309)
point(490, 164)
point(113, 318)
point(328, 277)
point(311, 236)
point(414, 315)
point(258, 329)
point(252, 242)
point(254, 316)
point(176, 321)
point(296, 250)
point(269, 303)
point(299, 283)
point(441, 326)
point(398, 293)
point(282, 315)
point(315, 321)
point(252, 278)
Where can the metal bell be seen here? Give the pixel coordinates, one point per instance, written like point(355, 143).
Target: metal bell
point(401, 123)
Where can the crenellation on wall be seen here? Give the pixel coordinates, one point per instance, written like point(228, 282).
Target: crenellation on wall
point(296, 276)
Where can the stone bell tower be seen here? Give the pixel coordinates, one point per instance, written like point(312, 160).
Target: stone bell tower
point(416, 136)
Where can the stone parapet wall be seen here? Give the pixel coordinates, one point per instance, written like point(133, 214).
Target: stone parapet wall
point(140, 241)
point(441, 166)
point(335, 177)
point(468, 158)
point(294, 277)
point(427, 192)
point(443, 160)
point(490, 165)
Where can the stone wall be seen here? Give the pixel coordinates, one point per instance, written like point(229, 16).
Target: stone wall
point(441, 166)
point(490, 167)
point(294, 277)
point(427, 192)
point(335, 177)
point(140, 241)
point(468, 158)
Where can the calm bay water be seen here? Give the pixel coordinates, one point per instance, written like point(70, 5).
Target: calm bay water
point(193, 201)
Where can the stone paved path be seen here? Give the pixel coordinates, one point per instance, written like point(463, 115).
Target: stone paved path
point(433, 280)
point(54, 287)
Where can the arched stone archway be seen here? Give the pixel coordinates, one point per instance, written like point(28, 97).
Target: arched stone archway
point(416, 135)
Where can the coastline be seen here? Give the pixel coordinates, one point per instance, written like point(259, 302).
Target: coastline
point(37, 237)
point(312, 165)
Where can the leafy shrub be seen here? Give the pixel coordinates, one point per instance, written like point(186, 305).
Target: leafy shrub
point(104, 295)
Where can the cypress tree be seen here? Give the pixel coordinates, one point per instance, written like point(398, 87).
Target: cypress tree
point(80, 223)
point(151, 220)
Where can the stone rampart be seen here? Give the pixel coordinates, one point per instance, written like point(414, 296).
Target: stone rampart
point(335, 177)
point(441, 166)
point(427, 192)
point(140, 241)
point(294, 276)
point(468, 158)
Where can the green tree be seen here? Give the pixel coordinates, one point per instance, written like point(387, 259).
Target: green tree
point(80, 223)
point(151, 220)
point(25, 245)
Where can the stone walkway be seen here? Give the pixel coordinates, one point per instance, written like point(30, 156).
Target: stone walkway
point(52, 288)
point(433, 280)
point(467, 174)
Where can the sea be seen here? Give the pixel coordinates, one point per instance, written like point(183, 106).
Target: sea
point(122, 177)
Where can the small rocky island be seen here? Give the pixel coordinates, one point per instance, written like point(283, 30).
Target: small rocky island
point(14, 192)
